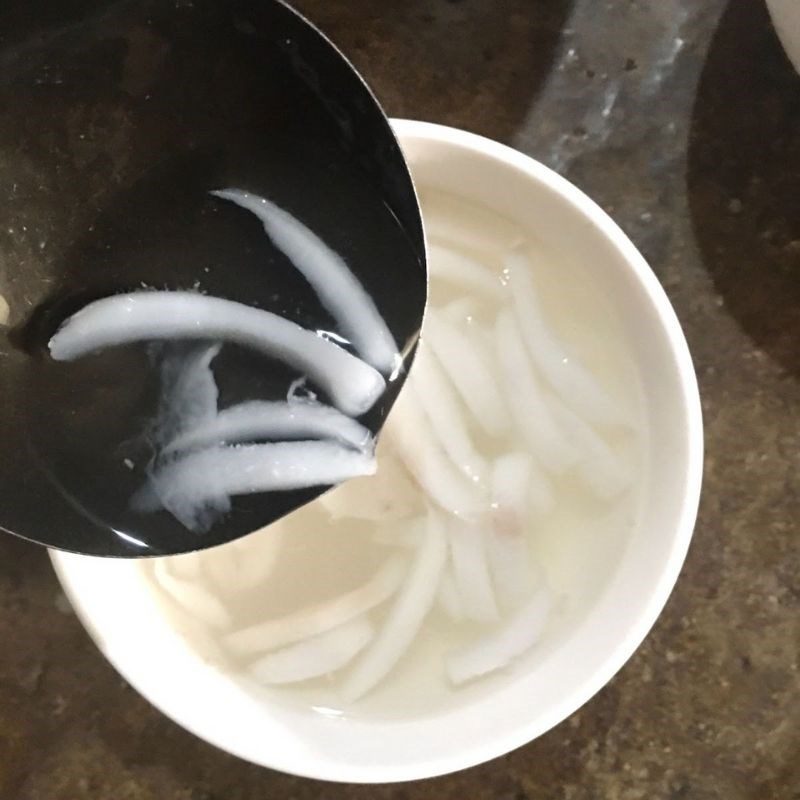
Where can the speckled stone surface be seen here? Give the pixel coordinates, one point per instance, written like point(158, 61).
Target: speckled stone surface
point(682, 118)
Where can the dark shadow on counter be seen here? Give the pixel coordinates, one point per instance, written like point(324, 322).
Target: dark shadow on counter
point(476, 65)
point(744, 179)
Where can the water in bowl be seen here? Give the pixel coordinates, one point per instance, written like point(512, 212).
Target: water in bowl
point(567, 530)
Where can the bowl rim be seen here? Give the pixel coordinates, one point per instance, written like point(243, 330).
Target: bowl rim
point(620, 653)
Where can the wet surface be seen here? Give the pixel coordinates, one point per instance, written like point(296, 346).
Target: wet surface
point(114, 127)
point(681, 119)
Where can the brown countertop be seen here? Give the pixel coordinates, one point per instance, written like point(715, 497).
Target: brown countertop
point(683, 120)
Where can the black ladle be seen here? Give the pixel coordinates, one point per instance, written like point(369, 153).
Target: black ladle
point(116, 120)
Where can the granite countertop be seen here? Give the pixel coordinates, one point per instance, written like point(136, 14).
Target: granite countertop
point(681, 118)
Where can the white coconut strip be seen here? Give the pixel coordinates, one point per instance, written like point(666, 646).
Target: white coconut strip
point(406, 615)
point(406, 534)
point(470, 565)
point(444, 411)
point(192, 597)
point(257, 556)
point(448, 598)
point(450, 266)
point(187, 565)
point(499, 648)
point(521, 493)
point(526, 400)
point(511, 479)
point(336, 286)
point(513, 574)
point(388, 496)
point(468, 371)
point(299, 392)
point(604, 473)
point(461, 312)
point(315, 657)
point(570, 379)
point(194, 488)
point(189, 391)
point(352, 385)
point(481, 340)
point(509, 555)
point(467, 228)
point(5, 311)
point(415, 442)
point(194, 514)
point(320, 617)
point(261, 419)
point(541, 492)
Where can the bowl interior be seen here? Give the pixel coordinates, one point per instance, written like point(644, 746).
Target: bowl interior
point(124, 617)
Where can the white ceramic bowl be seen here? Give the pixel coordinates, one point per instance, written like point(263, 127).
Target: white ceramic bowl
point(126, 622)
point(786, 19)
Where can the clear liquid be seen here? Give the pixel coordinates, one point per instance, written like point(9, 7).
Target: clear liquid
point(576, 546)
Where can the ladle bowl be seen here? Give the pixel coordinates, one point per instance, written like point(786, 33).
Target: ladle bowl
point(117, 120)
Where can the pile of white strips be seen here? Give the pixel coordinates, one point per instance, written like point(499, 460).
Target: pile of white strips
point(207, 456)
point(495, 412)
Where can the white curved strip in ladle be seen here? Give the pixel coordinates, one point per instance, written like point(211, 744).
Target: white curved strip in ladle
point(194, 488)
point(352, 385)
point(331, 279)
point(262, 419)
